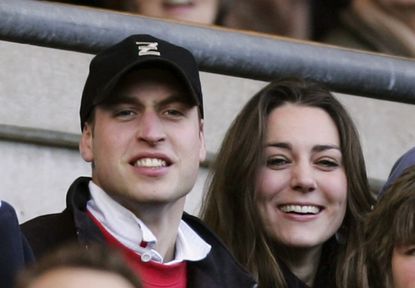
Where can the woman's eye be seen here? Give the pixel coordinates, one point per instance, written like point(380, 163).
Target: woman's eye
point(327, 163)
point(277, 162)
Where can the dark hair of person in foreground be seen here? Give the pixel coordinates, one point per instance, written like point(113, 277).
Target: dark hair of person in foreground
point(94, 257)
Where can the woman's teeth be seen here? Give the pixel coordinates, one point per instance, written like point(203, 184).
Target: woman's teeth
point(306, 209)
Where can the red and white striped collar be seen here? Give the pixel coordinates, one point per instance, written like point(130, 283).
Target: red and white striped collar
point(134, 234)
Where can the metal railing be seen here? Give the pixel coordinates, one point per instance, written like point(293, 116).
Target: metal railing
point(217, 50)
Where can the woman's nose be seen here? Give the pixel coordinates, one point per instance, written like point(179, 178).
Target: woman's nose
point(302, 178)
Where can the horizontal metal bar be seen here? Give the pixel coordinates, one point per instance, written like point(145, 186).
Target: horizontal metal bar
point(217, 50)
point(39, 136)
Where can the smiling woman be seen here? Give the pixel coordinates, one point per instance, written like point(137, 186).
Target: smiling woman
point(291, 170)
point(301, 188)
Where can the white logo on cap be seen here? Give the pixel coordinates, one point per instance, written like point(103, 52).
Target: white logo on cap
point(147, 48)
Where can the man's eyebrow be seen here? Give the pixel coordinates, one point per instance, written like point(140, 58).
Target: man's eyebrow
point(179, 98)
point(120, 99)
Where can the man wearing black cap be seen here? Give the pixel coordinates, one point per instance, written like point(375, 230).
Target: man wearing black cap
point(142, 130)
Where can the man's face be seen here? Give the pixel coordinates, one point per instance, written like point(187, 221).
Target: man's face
point(147, 144)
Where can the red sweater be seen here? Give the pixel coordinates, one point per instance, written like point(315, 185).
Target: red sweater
point(152, 274)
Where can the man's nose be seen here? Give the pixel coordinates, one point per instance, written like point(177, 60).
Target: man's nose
point(150, 128)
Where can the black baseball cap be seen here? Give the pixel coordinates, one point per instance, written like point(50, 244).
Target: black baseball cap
point(136, 51)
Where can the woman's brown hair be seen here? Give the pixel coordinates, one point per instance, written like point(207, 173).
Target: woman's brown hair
point(229, 206)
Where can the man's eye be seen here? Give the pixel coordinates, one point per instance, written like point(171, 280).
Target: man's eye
point(124, 113)
point(173, 113)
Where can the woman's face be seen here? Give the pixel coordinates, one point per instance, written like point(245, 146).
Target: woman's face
point(301, 191)
point(403, 266)
point(198, 11)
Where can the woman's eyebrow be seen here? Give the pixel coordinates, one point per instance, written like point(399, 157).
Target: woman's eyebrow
point(316, 148)
point(322, 147)
point(282, 145)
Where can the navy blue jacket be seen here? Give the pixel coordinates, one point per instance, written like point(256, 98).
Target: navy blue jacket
point(15, 252)
point(218, 269)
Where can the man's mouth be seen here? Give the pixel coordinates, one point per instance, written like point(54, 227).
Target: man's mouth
point(300, 209)
point(150, 163)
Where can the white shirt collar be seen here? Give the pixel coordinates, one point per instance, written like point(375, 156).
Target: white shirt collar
point(131, 231)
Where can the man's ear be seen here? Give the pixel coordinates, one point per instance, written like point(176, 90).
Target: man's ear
point(85, 144)
point(202, 151)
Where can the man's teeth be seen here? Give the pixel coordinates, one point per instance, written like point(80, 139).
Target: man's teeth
point(308, 209)
point(150, 163)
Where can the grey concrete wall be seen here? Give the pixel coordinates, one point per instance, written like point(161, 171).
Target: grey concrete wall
point(41, 88)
